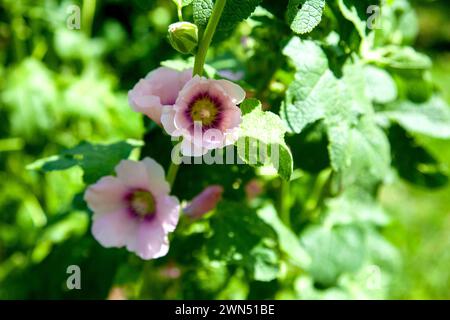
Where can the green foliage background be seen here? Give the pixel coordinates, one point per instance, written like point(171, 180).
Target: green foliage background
point(367, 130)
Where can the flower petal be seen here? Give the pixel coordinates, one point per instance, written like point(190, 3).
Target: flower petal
point(159, 88)
point(168, 120)
point(236, 93)
point(133, 174)
point(156, 177)
point(168, 212)
point(151, 241)
point(114, 229)
point(106, 195)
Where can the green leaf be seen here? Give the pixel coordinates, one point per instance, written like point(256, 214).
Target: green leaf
point(241, 237)
point(314, 87)
point(289, 243)
point(202, 11)
point(234, 12)
point(262, 142)
point(96, 160)
point(361, 154)
point(380, 86)
point(400, 57)
point(358, 149)
point(431, 118)
point(264, 264)
point(304, 15)
point(316, 93)
point(249, 105)
point(354, 207)
point(333, 251)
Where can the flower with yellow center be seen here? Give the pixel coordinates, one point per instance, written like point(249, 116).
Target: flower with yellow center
point(204, 110)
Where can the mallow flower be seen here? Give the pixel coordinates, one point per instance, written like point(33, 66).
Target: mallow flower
point(204, 202)
point(134, 209)
point(205, 114)
point(157, 90)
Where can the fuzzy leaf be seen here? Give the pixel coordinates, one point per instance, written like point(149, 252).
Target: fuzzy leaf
point(234, 12)
point(357, 147)
point(304, 15)
point(262, 141)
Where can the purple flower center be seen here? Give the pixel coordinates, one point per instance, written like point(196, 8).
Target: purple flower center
point(204, 109)
point(141, 203)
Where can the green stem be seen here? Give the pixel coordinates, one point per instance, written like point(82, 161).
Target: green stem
point(88, 16)
point(179, 10)
point(205, 42)
point(172, 173)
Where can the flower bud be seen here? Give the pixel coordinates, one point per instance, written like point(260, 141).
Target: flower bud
point(183, 36)
point(204, 202)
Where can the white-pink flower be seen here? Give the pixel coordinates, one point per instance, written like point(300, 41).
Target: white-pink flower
point(134, 209)
point(205, 114)
point(157, 90)
point(204, 202)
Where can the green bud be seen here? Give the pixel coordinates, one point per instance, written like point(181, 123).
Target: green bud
point(183, 36)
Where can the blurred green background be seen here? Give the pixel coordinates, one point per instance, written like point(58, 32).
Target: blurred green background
point(60, 86)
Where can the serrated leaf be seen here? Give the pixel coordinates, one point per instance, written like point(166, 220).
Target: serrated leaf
point(262, 142)
point(202, 12)
point(313, 87)
point(96, 160)
point(316, 94)
point(304, 15)
point(234, 12)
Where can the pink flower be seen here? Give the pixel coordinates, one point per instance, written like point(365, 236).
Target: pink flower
point(205, 114)
point(204, 202)
point(157, 90)
point(134, 209)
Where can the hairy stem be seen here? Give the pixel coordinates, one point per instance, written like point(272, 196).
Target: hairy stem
point(205, 41)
